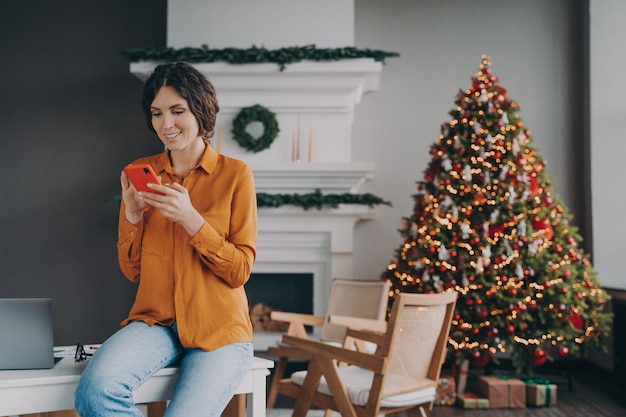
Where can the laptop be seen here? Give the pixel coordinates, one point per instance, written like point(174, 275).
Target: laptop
point(26, 333)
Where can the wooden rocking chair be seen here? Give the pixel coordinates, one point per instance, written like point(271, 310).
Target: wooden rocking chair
point(401, 375)
point(361, 303)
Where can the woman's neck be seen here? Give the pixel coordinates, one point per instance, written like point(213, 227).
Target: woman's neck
point(185, 159)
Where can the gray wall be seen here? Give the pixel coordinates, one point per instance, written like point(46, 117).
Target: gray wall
point(70, 119)
point(608, 147)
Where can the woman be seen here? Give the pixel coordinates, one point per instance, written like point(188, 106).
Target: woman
point(190, 246)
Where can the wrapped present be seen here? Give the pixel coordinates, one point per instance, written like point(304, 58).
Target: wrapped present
point(462, 377)
point(502, 392)
point(446, 391)
point(469, 400)
point(540, 393)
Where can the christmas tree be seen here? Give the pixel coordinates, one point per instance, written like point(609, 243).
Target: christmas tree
point(487, 224)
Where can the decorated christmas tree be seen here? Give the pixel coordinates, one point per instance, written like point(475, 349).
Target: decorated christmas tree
point(487, 224)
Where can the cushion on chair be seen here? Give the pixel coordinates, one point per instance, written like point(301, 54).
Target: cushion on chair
point(358, 382)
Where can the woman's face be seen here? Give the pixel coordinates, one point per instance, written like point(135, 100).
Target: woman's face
point(172, 119)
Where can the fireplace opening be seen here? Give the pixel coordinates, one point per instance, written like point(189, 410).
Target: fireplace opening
point(292, 292)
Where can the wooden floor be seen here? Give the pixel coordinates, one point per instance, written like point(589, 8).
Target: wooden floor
point(582, 390)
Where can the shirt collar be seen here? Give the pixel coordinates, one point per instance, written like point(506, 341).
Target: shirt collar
point(208, 161)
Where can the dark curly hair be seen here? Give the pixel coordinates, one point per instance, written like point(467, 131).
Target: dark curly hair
point(192, 85)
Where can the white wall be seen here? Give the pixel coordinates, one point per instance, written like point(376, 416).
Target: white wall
point(608, 138)
point(268, 23)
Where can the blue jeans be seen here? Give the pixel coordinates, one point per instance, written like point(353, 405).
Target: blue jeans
point(206, 383)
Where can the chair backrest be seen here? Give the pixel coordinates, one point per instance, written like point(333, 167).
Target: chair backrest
point(415, 342)
point(354, 298)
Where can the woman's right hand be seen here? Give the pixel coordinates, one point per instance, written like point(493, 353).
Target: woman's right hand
point(135, 205)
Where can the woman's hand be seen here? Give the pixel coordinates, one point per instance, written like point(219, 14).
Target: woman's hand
point(175, 205)
point(135, 205)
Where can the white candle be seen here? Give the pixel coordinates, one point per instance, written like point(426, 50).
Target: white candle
point(310, 156)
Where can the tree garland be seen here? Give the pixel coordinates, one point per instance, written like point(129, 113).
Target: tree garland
point(256, 113)
point(254, 55)
point(318, 200)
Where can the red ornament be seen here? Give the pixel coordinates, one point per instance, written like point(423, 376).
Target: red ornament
point(495, 229)
point(538, 223)
point(478, 360)
point(576, 321)
point(534, 186)
point(539, 357)
point(538, 361)
point(564, 351)
point(510, 329)
point(549, 233)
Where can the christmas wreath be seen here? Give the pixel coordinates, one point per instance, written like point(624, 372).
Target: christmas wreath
point(256, 113)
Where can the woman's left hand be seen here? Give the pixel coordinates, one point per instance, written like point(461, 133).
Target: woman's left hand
point(175, 205)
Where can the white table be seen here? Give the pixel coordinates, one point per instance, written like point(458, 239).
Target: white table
point(36, 391)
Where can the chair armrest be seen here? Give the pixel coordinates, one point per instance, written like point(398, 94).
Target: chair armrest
point(365, 335)
point(305, 319)
point(297, 321)
point(358, 323)
point(372, 362)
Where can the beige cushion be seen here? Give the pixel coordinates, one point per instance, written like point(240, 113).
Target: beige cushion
point(358, 382)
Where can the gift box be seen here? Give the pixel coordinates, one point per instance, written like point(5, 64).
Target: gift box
point(469, 400)
point(446, 391)
point(540, 393)
point(502, 392)
point(462, 377)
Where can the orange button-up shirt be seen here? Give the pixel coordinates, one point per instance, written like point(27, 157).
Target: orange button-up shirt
point(196, 281)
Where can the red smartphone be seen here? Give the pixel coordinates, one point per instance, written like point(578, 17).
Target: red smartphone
point(141, 175)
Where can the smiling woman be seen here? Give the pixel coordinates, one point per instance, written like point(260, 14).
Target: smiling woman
point(190, 243)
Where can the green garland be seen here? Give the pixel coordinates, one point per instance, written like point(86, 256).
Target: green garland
point(317, 200)
point(306, 201)
point(256, 113)
point(254, 55)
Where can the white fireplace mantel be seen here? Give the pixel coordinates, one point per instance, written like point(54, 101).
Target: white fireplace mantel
point(344, 177)
point(334, 86)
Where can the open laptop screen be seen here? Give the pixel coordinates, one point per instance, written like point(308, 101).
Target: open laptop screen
point(26, 333)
